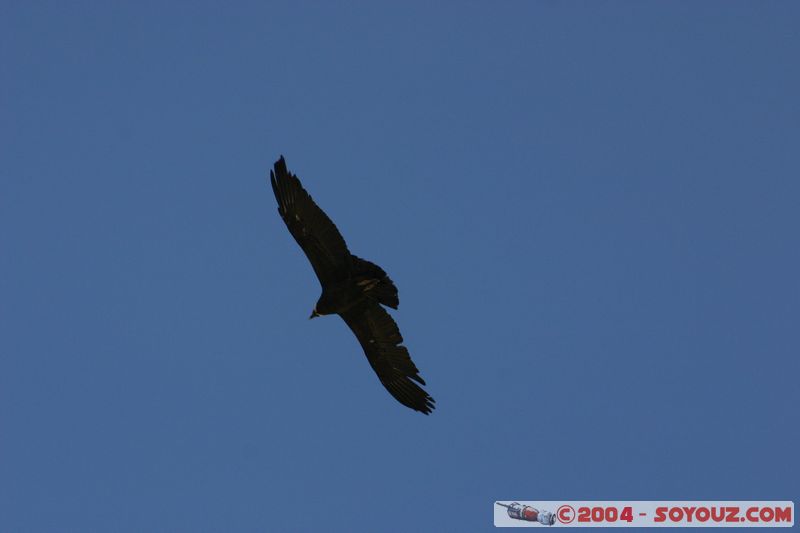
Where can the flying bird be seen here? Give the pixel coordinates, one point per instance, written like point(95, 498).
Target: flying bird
point(353, 288)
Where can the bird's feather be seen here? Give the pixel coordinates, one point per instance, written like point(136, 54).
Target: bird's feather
point(316, 234)
point(381, 340)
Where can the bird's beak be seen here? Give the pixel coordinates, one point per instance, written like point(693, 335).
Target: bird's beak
point(314, 314)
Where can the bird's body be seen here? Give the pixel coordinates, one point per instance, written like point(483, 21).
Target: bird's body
point(353, 288)
point(339, 297)
point(364, 283)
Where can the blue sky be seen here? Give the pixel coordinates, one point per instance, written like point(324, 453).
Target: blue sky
point(590, 210)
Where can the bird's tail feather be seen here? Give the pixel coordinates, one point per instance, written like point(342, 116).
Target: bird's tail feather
point(375, 282)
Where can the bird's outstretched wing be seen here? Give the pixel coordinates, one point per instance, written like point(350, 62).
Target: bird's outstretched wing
point(310, 226)
point(380, 337)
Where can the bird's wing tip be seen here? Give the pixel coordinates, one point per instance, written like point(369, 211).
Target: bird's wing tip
point(280, 166)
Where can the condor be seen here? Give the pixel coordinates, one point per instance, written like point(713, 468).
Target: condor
point(352, 288)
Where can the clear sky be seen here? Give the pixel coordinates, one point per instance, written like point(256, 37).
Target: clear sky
point(590, 210)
